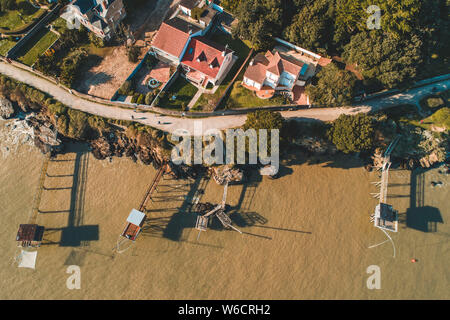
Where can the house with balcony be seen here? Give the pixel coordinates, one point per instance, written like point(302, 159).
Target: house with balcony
point(274, 70)
point(206, 62)
point(284, 70)
point(99, 16)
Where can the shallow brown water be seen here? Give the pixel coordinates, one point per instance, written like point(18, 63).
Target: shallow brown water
point(306, 235)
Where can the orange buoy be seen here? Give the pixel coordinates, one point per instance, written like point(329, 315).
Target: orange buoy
point(413, 260)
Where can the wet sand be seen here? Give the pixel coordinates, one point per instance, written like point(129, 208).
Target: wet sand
point(306, 235)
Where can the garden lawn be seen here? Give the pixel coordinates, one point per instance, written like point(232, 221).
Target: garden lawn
point(184, 92)
point(36, 46)
point(241, 97)
point(5, 45)
point(60, 25)
point(16, 19)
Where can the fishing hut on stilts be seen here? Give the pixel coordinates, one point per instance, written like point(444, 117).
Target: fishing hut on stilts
point(385, 217)
point(31, 235)
point(136, 218)
point(218, 211)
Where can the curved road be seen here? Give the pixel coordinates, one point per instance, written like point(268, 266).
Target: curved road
point(170, 124)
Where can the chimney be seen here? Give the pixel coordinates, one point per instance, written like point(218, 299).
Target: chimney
point(225, 51)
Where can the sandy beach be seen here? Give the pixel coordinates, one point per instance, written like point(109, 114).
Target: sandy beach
point(305, 235)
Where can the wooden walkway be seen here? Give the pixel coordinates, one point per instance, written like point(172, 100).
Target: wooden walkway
point(38, 195)
point(152, 187)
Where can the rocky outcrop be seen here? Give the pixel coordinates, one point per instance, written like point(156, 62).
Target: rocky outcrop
point(45, 135)
point(226, 172)
point(6, 108)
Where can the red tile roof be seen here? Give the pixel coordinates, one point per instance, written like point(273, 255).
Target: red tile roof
point(205, 56)
point(173, 35)
point(274, 63)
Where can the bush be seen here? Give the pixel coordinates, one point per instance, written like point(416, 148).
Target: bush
point(197, 12)
point(264, 120)
point(434, 102)
point(126, 88)
point(149, 98)
point(8, 5)
point(57, 108)
point(352, 133)
point(151, 61)
point(96, 41)
point(135, 97)
point(71, 65)
point(140, 99)
point(133, 54)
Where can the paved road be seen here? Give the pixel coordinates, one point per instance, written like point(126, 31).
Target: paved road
point(170, 124)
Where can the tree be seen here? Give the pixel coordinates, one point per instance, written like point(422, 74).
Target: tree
point(352, 133)
point(259, 21)
point(71, 65)
point(197, 12)
point(230, 5)
point(334, 87)
point(96, 41)
point(133, 54)
point(140, 99)
point(126, 87)
point(47, 64)
point(149, 98)
point(8, 5)
point(263, 119)
point(390, 60)
point(311, 27)
point(398, 17)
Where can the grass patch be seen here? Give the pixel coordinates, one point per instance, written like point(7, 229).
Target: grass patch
point(5, 46)
point(440, 118)
point(23, 15)
point(409, 115)
point(36, 46)
point(241, 97)
point(182, 90)
point(60, 25)
point(432, 103)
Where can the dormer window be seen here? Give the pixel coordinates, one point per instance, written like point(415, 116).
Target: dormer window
point(201, 57)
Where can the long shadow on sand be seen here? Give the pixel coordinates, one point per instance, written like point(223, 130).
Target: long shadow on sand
point(75, 234)
point(419, 216)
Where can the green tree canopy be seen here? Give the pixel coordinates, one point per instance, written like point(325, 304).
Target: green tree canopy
point(259, 21)
point(352, 133)
point(311, 27)
point(263, 119)
point(334, 87)
point(390, 60)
